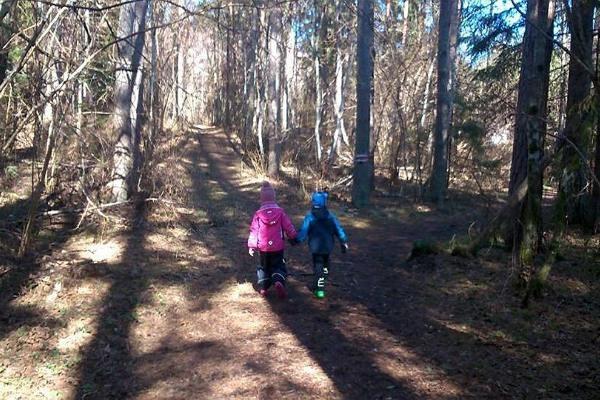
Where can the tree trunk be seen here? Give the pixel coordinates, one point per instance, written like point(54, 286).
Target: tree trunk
point(405, 14)
point(363, 167)
point(422, 132)
point(154, 93)
point(80, 83)
point(579, 125)
point(247, 91)
point(257, 121)
point(292, 67)
point(390, 10)
point(274, 91)
point(530, 129)
point(180, 73)
point(5, 7)
point(228, 67)
point(128, 80)
point(529, 78)
point(454, 32)
point(339, 134)
point(564, 77)
point(48, 127)
point(38, 190)
point(596, 190)
point(318, 87)
point(340, 80)
point(288, 74)
point(448, 29)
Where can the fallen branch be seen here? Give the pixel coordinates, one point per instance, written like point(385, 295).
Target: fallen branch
point(101, 207)
point(343, 181)
point(53, 213)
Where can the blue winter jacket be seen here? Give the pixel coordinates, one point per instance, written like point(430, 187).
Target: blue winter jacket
point(320, 227)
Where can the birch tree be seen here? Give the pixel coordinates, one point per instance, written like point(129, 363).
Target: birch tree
point(317, 39)
point(339, 135)
point(274, 90)
point(446, 59)
point(128, 92)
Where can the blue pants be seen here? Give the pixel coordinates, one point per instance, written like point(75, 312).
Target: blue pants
point(271, 269)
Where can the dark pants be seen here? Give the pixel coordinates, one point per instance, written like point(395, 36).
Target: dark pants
point(271, 269)
point(321, 270)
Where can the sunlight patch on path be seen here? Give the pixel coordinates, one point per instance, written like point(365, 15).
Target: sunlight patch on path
point(394, 357)
point(229, 344)
point(62, 311)
point(109, 251)
point(54, 344)
point(264, 333)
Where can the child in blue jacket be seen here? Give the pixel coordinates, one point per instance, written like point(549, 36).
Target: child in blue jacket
point(320, 227)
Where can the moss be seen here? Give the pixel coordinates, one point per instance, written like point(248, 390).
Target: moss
point(423, 248)
point(461, 251)
point(527, 254)
point(460, 248)
point(539, 281)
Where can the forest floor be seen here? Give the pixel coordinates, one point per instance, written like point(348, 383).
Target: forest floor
point(166, 308)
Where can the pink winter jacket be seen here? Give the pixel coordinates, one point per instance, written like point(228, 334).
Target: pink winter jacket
point(267, 229)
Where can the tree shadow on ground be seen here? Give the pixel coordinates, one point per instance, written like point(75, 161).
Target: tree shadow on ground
point(448, 333)
point(385, 330)
point(106, 370)
point(308, 321)
point(19, 274)
point(108, 367)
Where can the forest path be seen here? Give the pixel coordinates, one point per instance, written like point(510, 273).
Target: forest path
point(201, 330)
point(167, 309)
point(205, 333)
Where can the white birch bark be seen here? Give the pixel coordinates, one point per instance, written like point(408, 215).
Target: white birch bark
point(132, 19)
point(318, 87)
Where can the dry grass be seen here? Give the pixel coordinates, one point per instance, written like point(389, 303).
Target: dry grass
point(165, 307)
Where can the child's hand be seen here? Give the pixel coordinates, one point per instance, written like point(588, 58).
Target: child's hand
point(344, 248)
point(251, 251)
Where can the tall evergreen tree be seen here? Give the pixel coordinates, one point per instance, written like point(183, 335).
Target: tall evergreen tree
point(363, 167)
point(446, 59)
point(579, 124)
point(530, 128)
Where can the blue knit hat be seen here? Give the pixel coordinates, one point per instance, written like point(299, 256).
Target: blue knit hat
point(319, 199)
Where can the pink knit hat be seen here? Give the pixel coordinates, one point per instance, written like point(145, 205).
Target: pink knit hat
point(267, 193)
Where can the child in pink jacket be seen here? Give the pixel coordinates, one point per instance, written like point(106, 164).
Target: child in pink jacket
point(269, 228)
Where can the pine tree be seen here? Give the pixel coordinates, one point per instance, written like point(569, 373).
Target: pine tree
point(364, 84)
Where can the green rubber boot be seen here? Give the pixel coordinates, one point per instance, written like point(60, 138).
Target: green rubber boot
point(320, 294)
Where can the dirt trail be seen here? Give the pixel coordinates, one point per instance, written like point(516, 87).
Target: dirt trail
point(168, 310)
point(201, 331)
